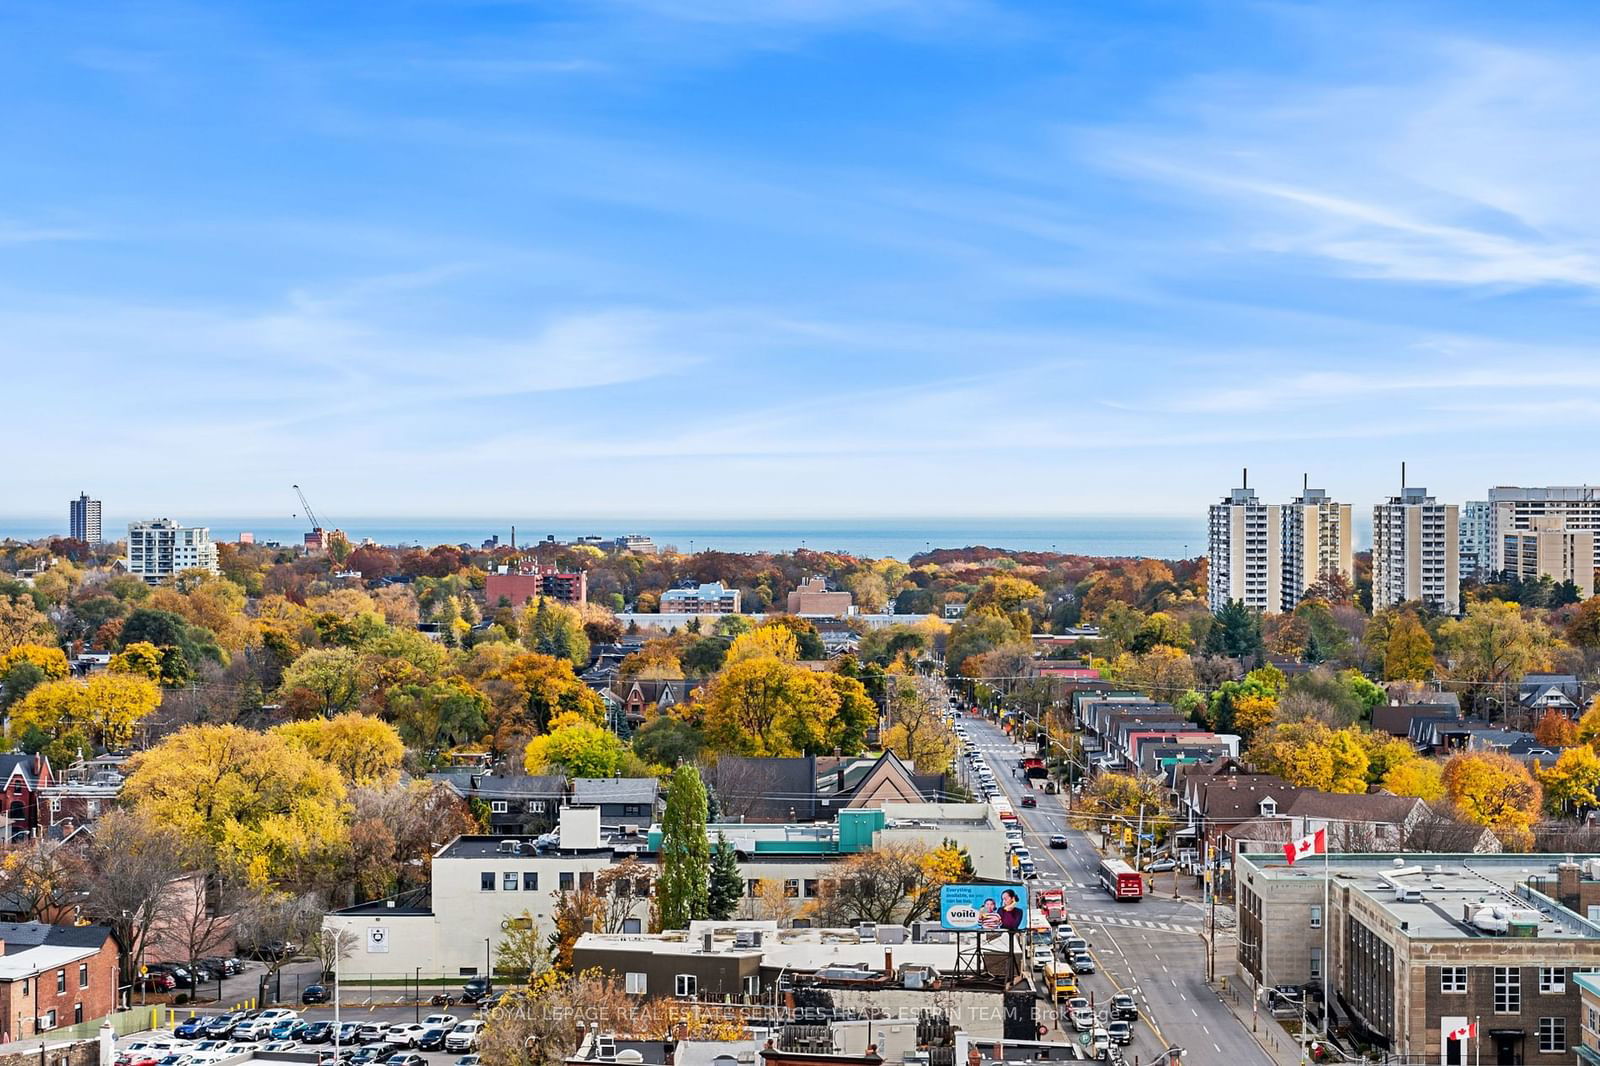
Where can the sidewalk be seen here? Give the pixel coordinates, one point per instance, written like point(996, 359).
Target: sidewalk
point(1282, 1048)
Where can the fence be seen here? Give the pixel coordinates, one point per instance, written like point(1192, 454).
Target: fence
point(123, 1022)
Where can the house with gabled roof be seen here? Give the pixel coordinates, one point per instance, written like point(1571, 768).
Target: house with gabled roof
point(623, 801)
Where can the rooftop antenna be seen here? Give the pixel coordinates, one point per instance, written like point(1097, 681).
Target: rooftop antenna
point(1246, 483)
point(1402, 477)
point(1305, 484)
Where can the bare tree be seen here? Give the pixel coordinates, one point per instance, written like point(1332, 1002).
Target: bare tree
point(130, 867)
point(1440, 829)
point(274, 924)
point(42, 878)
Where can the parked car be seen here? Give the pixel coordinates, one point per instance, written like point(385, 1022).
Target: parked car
point(431, 1038)
point(1029, 801)
point(317, 1033)
point(270, 950)
point(1058, 840)
point(1161, 866)
point(466, 1060)
point(475, 989)
point(314, 994)
point(404, 1033)
point(288, 1029)
point(221, 1027)
point(181, 977)
point(191, 1028)
point(1082, 962)
point(1100, 1042)
point(1123, 1008)
point(155, 981)
point(463, 1037)
point(350, 1033)
point(279, 1045)
point(1082, 1019)
point(228, 965)
point(406, 1058)
point(371, 1032)
point(446, 1022)
point(1121, 1033)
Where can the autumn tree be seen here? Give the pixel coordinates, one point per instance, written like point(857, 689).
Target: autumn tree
point(106, 708)
point(917, 732)
point(1408, 652)
point(51, 662)
point(576, 747)
point(438, 715)
point(1422, 778)
point(1572, 783)
point(266, 808)
point(326, 680)
point(22, 623)
point(1494, 790)
point(765, 706)
point(365, 750)
point(1555, 730)
point(40, 877)
point(1493, 644)
point(1309, 754)
point(685, 853)
point(128, 870)
point(528, 692)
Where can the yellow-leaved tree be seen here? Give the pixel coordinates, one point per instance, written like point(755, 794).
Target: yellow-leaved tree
point(1572, 785)
point(52, 662)
point(1422, 778)
point(574, 746)
point(105, 709)
point(266, 808)
point(365, 750)
point(1495, 790)
point(776, 641)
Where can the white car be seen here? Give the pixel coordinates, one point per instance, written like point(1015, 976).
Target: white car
point(1042, 957)
point(446, 1022)
point(405, 1033)
point(463, 1037)
point(1082, 1019)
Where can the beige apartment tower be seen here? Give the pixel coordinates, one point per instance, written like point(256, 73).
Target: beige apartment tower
point(1550, 546)
point(1416, 552)
point(1316, 544)
point(1245, 538)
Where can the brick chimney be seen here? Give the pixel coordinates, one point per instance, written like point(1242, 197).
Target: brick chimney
point(1567, 876)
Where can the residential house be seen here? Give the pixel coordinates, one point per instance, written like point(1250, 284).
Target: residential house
point(55, 975)
point(1538, 693)
point(642, 699)
point(1396, 718)
point(24, 776)
point(623, 801)
point(517, 806)
point(811, 788)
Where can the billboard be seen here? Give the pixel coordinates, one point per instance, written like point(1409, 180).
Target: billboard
point(988, 907)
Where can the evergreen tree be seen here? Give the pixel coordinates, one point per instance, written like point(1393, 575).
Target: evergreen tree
point(685, 852)
point(727, 883)
point(1236, 633)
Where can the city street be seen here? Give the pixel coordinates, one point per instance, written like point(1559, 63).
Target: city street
point(1153, 945)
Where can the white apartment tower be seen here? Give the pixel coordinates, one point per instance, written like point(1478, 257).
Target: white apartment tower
point(1316, 543)
point(1245, 539)
point(161, 548)
point(83, 519)
point(1513, 509)
point(1416, 552)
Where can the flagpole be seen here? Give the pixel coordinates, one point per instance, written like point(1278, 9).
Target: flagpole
point(1477, 1044)
point(1327, 920)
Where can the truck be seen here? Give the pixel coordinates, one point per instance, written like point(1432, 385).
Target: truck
point(1054, 904)
point(1033, 768)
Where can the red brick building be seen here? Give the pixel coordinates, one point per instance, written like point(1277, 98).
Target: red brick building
point(55, 975)
point(530, 582)
point(24, 776)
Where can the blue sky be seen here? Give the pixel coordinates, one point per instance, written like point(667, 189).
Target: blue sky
point(668, 257)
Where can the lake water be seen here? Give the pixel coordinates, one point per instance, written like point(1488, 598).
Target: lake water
point(1156, 537)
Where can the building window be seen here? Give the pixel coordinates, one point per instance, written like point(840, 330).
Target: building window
point(586, 880)
point(47, 1020)
point(77, 1013)
point(1316, 916)
point(752, 986)
point(630, 810)
point(486, 881)
point(83, 975)
point(634, 984)
point(536, 806)
point(530, 881)
point(752, 887)
point(1316, 964)
point(1507, 990)
point(1552, 1034)
point(1552, 980)
point(565, 884)
point(499, 807)
point(61, 980)
point(685, 985)
point(508, 881)
point(1452, 978)
point(811, 888)
point(791, 889)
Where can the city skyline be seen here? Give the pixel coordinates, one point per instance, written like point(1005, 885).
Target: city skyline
point(883, 249)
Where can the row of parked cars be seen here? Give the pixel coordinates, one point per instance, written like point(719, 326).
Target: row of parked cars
point(171, 976)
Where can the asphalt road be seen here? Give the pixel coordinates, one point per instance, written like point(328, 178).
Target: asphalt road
point(1153, 946)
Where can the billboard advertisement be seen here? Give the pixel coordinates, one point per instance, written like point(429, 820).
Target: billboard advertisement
point(986, 907)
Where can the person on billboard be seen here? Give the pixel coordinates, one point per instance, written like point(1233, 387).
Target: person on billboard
point(988, 916)
point(1010, 910)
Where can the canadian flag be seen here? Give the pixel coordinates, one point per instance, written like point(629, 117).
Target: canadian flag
point(1466, 1032)
point(1315, 844)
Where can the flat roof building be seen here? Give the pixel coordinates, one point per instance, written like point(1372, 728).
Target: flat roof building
point(1416, 552)
point(1245, 539)
point(161, 549)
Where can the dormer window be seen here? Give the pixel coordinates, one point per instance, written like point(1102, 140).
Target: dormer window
point(1269, 807)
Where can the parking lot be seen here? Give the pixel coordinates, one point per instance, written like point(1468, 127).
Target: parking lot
point(375, 1044)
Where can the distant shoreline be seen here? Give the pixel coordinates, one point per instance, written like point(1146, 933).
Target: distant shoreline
point(900, 538)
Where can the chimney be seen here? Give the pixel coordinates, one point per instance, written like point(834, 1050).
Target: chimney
point(888, 963)
point(973, 1057)
point(1567, 875)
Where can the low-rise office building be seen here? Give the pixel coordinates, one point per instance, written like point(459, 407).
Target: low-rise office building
point(1420, 944)
point(161, 549)
point(711, 597)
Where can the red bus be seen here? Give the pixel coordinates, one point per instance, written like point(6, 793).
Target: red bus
point(1121, 880)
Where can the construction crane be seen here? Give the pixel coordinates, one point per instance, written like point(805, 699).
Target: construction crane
point(315, 538)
